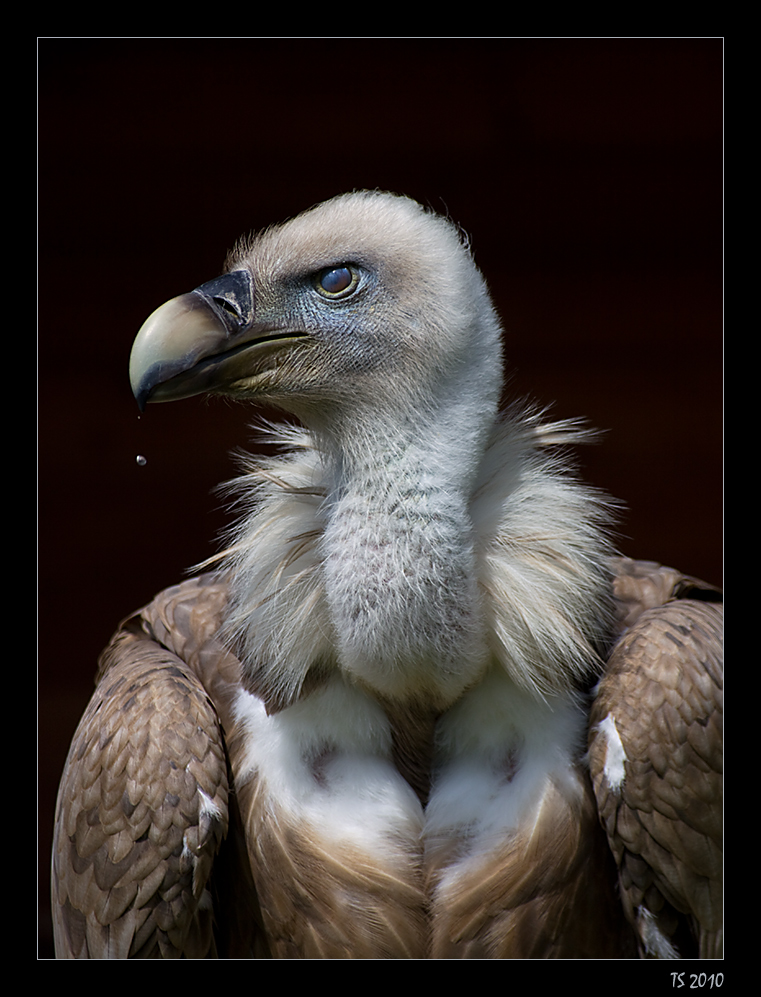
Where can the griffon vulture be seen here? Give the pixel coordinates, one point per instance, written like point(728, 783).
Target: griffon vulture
point(418, 707)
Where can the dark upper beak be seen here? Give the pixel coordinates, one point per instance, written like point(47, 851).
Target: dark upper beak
point(179, 346)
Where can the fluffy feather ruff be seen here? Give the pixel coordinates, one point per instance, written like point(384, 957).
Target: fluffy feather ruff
point(542, 553)
point(279, 621)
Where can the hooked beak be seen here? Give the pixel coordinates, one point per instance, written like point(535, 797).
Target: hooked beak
point(195, 343)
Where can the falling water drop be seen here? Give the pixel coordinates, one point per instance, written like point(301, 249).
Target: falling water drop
point(141, 460)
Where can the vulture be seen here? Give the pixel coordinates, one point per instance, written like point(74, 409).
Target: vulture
point(418, 706)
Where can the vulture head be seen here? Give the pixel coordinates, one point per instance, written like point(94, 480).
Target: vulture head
point(364, 313)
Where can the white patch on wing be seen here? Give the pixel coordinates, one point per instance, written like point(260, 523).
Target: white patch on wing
point(208, 807)
point(655, 942)
point(614, 769)
point(208, 813)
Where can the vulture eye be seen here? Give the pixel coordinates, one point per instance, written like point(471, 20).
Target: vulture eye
point(337, 282)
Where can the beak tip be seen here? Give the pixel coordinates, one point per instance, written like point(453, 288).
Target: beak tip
point(140, 386)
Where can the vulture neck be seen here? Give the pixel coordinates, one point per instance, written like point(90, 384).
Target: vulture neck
point(398, 550)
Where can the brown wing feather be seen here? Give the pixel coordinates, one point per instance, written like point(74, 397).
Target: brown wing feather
point(656, 762)
point(642, 585)
point(135, 839)
point(143, 807)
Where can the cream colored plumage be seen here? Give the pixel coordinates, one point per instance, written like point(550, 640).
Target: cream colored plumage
point(391, 655)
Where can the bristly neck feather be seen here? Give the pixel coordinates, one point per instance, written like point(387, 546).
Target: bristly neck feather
point(399, 554)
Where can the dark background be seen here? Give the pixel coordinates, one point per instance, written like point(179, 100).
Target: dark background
point(587, 172)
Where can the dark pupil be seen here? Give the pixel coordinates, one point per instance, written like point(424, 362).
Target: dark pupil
point(335, 281)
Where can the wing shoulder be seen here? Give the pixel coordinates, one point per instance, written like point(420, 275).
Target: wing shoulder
point(143, 805)
point(655, 757)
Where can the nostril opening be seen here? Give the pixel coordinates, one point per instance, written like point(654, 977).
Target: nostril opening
point(231, 297)
point(228, 306)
